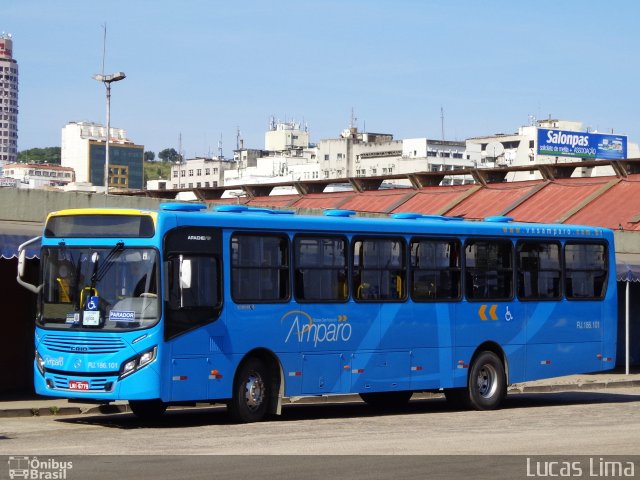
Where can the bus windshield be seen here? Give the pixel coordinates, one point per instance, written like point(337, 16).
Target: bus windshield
point(99, 288)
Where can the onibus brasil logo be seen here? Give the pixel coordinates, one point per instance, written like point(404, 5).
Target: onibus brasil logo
point(321, 330)
point(40, 469)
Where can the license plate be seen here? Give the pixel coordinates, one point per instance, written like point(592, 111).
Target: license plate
point(78, 385)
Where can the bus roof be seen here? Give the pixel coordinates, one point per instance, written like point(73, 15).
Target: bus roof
point(347, 221)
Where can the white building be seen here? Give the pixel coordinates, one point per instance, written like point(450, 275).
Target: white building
point(522, 149)
point(285, 136)
point(287, 156)
point(199, 172)
point(83, 149)
point(362, 154)
point(8, 101)
point(38, 175)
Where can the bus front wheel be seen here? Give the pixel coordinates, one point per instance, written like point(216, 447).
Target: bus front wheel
point(250, 402)
point(147, 409)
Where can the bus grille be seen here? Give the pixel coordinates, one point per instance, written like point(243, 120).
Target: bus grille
point(84, 344)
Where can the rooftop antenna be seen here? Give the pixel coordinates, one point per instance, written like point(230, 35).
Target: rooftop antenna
point(352, 120)
point(442, 121)
point(239, 141)
point(220, 147)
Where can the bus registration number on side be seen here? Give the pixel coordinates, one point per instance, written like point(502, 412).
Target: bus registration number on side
point(78, 385)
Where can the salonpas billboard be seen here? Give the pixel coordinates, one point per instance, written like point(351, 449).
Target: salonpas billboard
point(580, 144)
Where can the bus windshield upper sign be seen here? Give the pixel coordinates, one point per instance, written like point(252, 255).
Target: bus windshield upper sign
point(103, 225)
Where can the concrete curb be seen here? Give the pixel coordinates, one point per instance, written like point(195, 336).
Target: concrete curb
point(86, 409)
point(518, 388)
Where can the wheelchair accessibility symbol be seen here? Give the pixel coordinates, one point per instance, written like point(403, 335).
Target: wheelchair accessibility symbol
point(508, 316)
point(92, 304)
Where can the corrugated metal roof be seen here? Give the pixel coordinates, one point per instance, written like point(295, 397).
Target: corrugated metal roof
point(324, 200)
point(495, 199)
point(383, 201)
point(551, 203)
point(273, 201)
point(618, 206)
point(433, 200)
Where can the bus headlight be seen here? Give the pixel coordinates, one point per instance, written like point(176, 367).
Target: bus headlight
point(39, 363)
point(136, 363)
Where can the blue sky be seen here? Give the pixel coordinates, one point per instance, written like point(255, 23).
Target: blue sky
point(203, 68)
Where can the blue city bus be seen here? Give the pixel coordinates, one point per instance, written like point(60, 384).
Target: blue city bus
point(247, 306)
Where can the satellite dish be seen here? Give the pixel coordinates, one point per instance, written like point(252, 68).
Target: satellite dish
point(494, 150)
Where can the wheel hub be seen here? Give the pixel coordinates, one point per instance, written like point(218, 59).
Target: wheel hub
point(487, 381)
point(254, 392)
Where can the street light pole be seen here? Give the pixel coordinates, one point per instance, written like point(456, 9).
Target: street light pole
point(107, 80)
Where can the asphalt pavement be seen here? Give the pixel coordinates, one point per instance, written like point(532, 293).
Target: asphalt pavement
point(29, 405)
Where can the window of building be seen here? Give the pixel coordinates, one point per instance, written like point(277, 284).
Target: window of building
point(379, 269)
point(206, 184)
point(207, 171)
point(175, 174)
point(215, 171)
point(199, 172)
point(259, 268)
point(326, 158)
point(435, 269)
point(489, 270)
point(191, 172)
point(320, 269)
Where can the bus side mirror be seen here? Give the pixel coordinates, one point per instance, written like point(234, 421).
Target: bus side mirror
point(22, 260)
point(185, 273)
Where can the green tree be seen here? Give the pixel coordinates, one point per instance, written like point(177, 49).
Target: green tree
point(40, 155)
point(149, 156)
point(170, 155)
point(156, 171)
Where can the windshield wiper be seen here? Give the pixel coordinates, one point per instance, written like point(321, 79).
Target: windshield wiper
point(99, 273)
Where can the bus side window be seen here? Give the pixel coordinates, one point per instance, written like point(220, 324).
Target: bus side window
point(192, 292)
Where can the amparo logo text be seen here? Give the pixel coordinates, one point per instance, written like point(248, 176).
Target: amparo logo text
point(305, 329)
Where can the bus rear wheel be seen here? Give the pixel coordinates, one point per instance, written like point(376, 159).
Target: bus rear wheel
point(387, 399)
point(251, 393)
point(487, 382)
point(486, 386)
point(147, 409)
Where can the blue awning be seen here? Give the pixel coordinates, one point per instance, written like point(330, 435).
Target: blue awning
point(9, 246)
point(628, 267)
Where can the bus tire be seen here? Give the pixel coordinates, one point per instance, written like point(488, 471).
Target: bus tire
point(487, 385)
point(387, 399)
point(251, 395)
point(148, 409)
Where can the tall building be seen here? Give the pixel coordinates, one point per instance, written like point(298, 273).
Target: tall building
point(83, 149)
point(8, 101)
